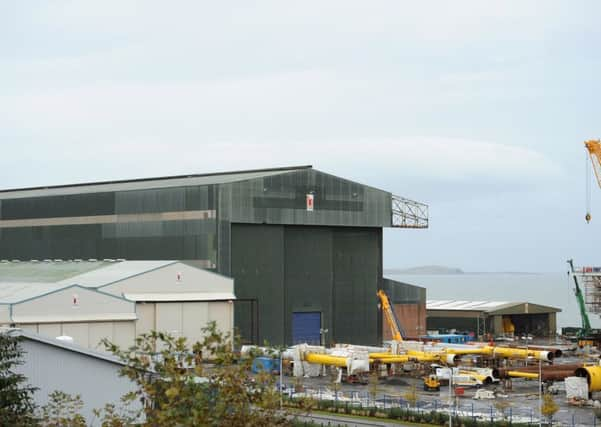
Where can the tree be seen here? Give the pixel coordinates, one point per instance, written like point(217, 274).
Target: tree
point(411, 395)
point(548, 407)
point(62, 410)
point(373, 384)
point(177, 387)
point(16, 396)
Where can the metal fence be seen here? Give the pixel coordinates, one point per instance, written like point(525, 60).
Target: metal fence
point(478, 411)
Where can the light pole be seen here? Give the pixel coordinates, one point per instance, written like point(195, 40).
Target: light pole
point(451, 397)
point(281, 382)
point(540, 392)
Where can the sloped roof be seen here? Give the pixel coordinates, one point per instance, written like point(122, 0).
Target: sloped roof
point(61, 344)
point(114, 271)
point(145, 183)
point(464, 305)
point(485, 306)
point(47, 271)
point(20, 281)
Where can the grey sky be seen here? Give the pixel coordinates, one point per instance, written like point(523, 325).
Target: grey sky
point(477, 108)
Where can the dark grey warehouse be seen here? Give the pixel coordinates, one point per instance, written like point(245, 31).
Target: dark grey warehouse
point(304, 247)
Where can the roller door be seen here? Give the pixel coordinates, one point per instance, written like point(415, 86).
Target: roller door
point(305, 327)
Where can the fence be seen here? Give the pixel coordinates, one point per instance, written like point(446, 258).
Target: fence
point(435, 410)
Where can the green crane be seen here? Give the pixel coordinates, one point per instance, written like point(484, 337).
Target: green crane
point(585, 331)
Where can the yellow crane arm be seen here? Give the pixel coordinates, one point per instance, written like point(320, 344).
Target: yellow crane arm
point(389, 316)
point(594, 151)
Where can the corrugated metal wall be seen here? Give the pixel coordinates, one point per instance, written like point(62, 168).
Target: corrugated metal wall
point(331, 270)
point(131, 231)
point(335, 271)
point(51, 368)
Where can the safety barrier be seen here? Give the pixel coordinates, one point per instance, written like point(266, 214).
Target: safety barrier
point(435, 410)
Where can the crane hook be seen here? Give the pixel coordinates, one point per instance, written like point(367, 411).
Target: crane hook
point(587, 217)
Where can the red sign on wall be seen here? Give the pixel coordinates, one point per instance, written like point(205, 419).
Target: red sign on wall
point(310, 202)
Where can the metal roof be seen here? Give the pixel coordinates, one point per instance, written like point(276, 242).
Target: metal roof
point(146, 183)
point(181, 296)
point(61, 344)
point(11, 293)
point(20, 281)
point(47, 271)
point(113, 272)
point(484, 306)
point(467, 305)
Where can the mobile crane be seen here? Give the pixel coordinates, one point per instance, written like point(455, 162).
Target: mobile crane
point(393, 322)
point(585, 332)
point(594, 151)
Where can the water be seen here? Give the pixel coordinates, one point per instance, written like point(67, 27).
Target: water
point(550, 289)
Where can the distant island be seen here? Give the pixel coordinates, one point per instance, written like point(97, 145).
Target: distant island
point(425, 269)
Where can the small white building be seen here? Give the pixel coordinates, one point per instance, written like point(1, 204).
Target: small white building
point(50, 365)
point(92, 300)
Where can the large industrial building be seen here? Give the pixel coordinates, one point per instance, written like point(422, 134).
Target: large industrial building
point(118, 300)
point(304, 247)
point(495, 318)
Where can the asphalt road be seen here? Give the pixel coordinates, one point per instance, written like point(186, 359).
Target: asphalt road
point(341, 421)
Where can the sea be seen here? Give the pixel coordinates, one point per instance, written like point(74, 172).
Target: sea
point(550, 289)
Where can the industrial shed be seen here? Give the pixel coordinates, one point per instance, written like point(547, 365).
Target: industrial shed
point(497, 318)
point(50, 364)
point(409, 304)
point(91, 300)
point(304, 246)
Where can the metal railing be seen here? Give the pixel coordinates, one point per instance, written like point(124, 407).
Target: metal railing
point(481, 412)
point(408, 213)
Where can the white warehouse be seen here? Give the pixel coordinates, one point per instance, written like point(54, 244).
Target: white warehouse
point(114, 299)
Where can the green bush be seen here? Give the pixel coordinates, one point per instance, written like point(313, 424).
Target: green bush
point(394, 413)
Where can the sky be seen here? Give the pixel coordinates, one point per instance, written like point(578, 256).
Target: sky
point(478, 109)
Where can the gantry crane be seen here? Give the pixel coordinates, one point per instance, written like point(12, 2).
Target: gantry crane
point(393, 323)
point(594, 151)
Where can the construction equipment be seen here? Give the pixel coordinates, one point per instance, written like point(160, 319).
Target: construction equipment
point(594, 151)
point(431, 383)
point(393, 323)
point(584, 333)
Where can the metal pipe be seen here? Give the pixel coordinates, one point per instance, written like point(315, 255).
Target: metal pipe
point(553, 375)
point(592, 375)
point(391, 359)
point(325, 359)
point(485, 351)
point(422, 356)
point(516, 374)
point(521, 353)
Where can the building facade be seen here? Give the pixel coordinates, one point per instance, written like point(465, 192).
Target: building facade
point(409, 305)
point(89, 301)
point(304, 247)
point(492, 318)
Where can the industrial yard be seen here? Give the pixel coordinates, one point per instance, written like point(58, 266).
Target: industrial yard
point(174, 253)
point(300, 213)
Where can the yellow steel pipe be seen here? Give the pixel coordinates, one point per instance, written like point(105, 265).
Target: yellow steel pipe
point(422, 356)
point(592, 375)
point(470, 351)
point(517, 374)
point(391, 359)
point(326, 359)
point(382, 355)
point(521, 353)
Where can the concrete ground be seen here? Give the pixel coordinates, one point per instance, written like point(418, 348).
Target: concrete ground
point(521, 402)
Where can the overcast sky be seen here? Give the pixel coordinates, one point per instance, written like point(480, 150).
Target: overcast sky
point(477, 108)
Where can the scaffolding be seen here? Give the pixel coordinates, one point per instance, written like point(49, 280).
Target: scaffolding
point(408, 213)
point(590, 277)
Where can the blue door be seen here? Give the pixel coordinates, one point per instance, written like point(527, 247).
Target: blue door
point(305, 327)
